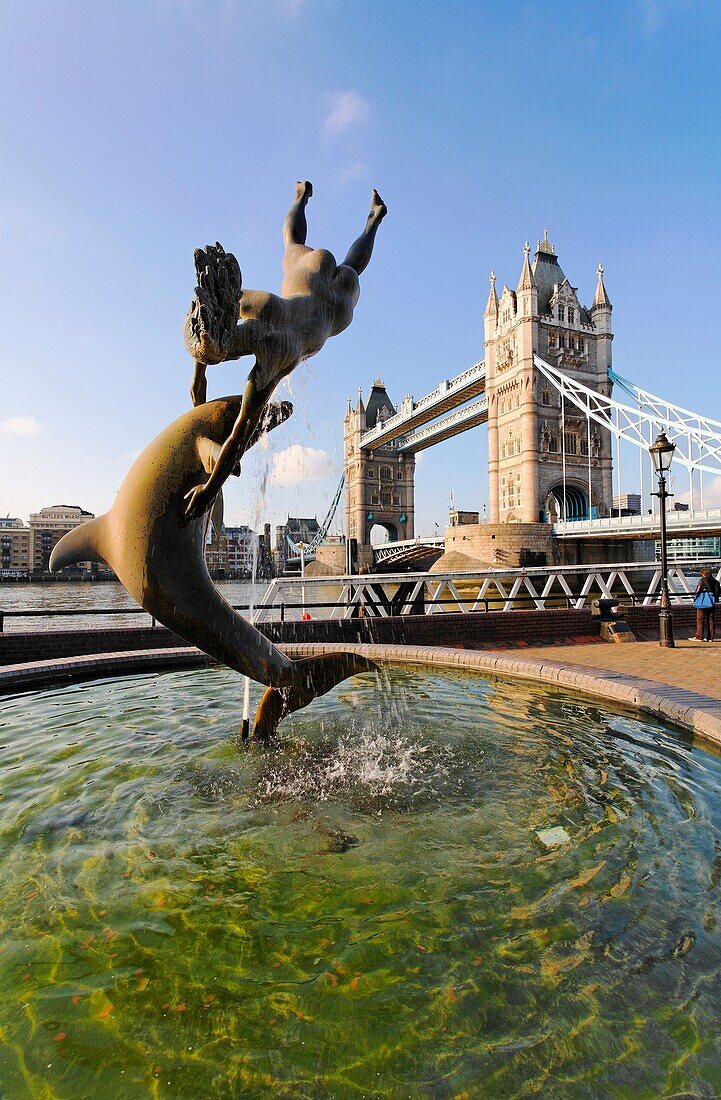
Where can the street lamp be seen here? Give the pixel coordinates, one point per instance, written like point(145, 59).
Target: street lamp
point(661, 454)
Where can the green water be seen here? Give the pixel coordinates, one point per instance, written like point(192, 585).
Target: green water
point(364, 911)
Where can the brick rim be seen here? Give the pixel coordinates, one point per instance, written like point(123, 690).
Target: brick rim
point(691, 711)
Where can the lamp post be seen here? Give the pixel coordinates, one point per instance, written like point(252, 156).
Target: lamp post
point(661, 454)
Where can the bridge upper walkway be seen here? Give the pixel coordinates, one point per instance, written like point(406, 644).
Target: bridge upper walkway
point(447, 395)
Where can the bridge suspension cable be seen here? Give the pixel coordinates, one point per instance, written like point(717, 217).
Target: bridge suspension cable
point(667, 411)
point(325, 526)
point(689, 431)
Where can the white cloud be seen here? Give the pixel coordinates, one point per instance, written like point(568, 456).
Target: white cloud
point(297, 465)
point(349, 109)
point(711, 494)
point(655, 13)
point(353, 171)
point(20, 425)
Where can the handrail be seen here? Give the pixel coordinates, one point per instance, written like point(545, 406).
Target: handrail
point(284, 606)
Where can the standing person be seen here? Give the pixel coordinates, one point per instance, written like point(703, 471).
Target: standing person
point(708, 591)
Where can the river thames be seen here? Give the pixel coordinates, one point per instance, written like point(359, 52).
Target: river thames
point(91, 597)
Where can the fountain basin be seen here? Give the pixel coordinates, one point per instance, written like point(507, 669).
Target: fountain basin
point(371, 907)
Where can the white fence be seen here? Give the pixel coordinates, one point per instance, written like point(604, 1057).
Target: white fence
point(386, 595)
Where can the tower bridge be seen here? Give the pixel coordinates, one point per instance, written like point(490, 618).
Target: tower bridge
point(544, 388)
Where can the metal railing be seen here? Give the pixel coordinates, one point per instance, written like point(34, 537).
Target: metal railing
point(88, 613)
point(385, 595)
point(542, 588)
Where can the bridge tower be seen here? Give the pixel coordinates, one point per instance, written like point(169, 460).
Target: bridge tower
point(545, 460)
point(378, 482)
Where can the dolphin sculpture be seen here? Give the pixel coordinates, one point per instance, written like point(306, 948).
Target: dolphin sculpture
point(157, 554)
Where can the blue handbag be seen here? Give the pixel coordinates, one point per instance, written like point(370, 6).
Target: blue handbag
point(704, 601)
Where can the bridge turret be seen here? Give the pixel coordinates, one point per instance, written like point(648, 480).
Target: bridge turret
point(601, 308)
point(491, 313)
point(379, 478)
point(538, 453)
point(527, 291)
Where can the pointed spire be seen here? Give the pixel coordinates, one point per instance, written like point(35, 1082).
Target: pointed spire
point(545, 245)
point(492, 303)
point(526, 282)
point(601, 297)
point(360, 407)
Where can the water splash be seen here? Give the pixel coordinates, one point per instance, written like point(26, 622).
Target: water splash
point(372, 768)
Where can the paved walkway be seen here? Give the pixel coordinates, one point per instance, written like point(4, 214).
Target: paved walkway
point(694, 666)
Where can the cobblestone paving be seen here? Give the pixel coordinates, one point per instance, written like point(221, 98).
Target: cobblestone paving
point(695, 666)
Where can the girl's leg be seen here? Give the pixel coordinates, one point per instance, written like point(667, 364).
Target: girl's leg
point(295, 226)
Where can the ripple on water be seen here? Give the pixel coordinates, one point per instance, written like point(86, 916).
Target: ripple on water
point(366, 908)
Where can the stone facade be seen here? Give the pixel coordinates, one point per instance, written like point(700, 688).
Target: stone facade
point(48, 526)
point(544, 459)
point(512, 545)
point(378, 483)
point(236, 552)
point(16, 548)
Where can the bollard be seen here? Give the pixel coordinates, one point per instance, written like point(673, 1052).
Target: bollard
point(245, 724)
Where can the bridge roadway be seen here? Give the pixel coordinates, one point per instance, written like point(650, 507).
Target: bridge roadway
point(412, 415)
point(680, 525)
point(696, 524)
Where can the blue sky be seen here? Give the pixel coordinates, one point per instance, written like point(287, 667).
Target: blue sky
point(133, 131)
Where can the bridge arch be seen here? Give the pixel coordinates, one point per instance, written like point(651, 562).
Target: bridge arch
point(576, 503)
point(376, 528)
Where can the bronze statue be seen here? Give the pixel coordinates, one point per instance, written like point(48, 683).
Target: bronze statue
point(158, 556)
point(317, 300)
point(154, 535)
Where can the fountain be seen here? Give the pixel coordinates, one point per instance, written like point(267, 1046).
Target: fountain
point(436, 885)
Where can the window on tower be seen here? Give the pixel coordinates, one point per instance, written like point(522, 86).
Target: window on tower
point(386, 472)
point(571, 315)
point(571, 440)
point(546, 398)
point(561, 313)
point(562, 341)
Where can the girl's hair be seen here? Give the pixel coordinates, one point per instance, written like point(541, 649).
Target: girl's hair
point(705, 572)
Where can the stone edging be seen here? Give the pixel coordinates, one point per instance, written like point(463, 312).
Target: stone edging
point(700, 714)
